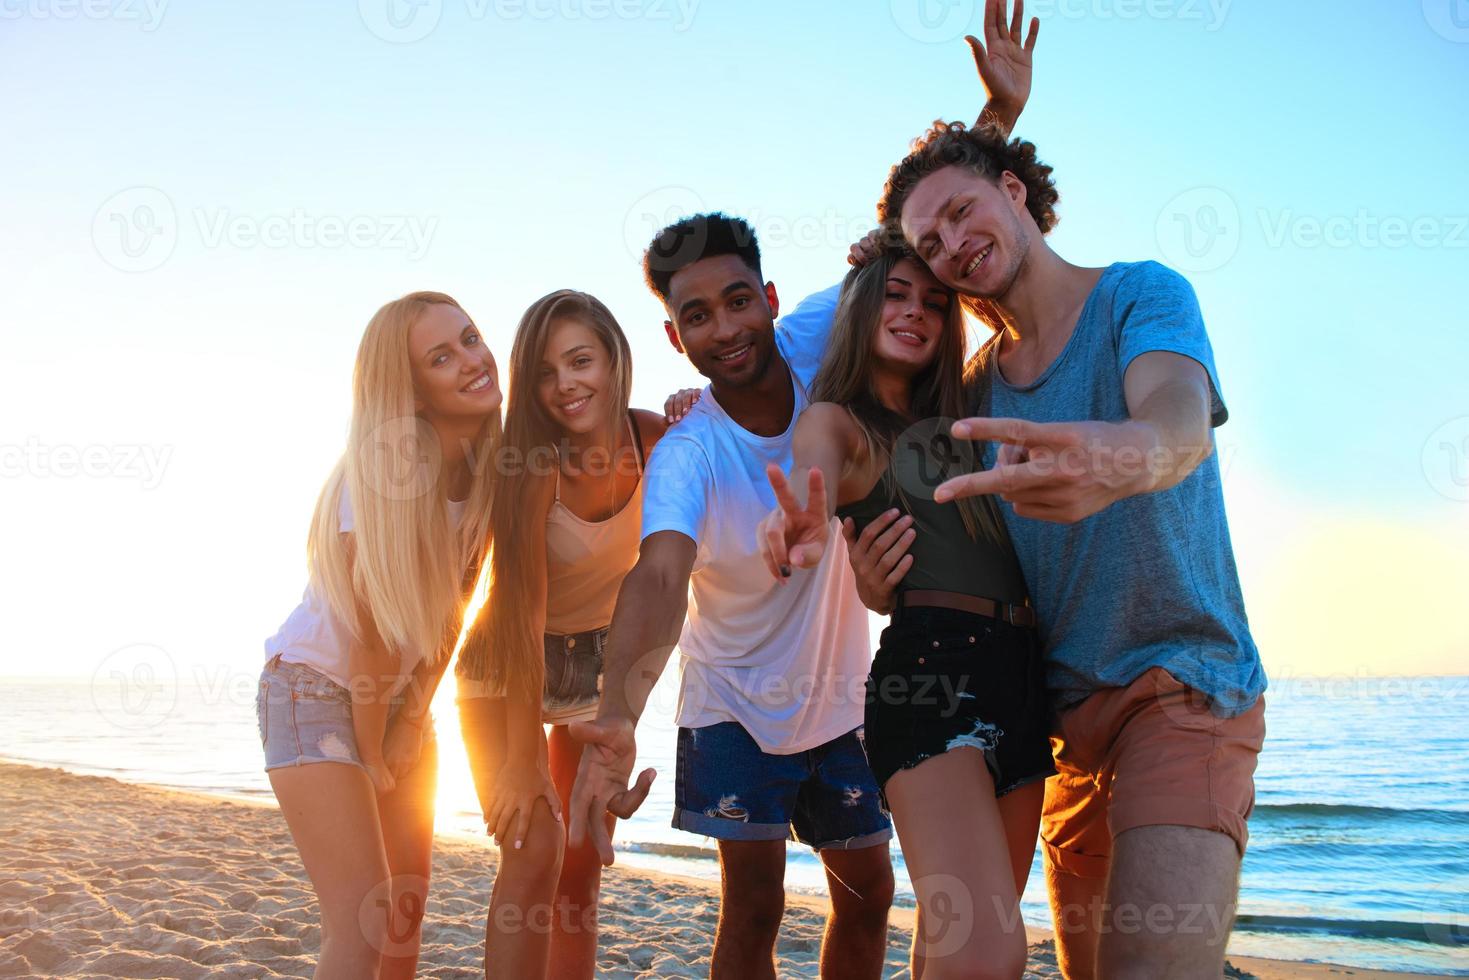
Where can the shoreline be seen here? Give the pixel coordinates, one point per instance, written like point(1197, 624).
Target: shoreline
point(111, 876)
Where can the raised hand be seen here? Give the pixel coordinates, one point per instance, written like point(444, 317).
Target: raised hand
point(602, 781)
point(1004, 63)
point(792, 535)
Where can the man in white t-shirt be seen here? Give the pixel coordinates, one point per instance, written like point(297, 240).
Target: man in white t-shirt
point(771, 700)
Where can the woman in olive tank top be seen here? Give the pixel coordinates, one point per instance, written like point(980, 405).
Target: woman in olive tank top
point(956, 726)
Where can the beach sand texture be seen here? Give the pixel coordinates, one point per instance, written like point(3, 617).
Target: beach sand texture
point(104, 878)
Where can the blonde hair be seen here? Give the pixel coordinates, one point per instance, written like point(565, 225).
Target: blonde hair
point(405, 564)
point(938, 391)
point(502, 647)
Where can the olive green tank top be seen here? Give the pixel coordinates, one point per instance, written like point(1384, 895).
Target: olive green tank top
point(945, 557)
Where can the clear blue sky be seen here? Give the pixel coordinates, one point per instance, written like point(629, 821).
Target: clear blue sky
point(520, 147)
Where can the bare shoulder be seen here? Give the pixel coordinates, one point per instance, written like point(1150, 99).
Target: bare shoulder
point(828, 420)
point(651, 426)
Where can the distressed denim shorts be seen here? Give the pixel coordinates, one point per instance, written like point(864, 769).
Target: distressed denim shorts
point(944, 679)
point(573, 676)
point(728, 789)
point(306, 717)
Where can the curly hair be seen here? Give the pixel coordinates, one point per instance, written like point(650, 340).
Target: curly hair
point(986, 152)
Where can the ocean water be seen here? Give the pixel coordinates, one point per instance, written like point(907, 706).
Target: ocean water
point(1359, 850)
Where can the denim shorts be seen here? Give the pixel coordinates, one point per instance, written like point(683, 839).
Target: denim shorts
point(573, 676)
point(728, 789)
point(943, 679)
point(306, 717)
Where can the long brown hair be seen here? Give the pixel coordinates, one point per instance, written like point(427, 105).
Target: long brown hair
point(846, 378)
point(503, 647)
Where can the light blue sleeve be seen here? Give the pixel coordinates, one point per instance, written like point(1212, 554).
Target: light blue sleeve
point(676, 487)
point(803, 333)
point(1155, 309)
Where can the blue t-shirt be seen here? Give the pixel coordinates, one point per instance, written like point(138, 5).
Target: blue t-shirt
point(1151, 580)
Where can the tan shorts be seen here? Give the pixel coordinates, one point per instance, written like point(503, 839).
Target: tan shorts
point(1146, 754)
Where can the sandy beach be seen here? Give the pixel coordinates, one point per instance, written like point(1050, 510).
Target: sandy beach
point(104, 878)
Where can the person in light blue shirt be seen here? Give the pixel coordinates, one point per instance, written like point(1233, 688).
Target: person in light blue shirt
point(1095, 402)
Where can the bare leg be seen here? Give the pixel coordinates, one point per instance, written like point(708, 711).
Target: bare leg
point(751, 904)
point(1170, 903)
point(959, 856)
point(1076, 915)
point(518, 929)
point(574, 933)
point(331, 808)
point(407, 815)
point(861, 886)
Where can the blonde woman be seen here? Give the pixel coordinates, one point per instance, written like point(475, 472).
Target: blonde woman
point(566, 525)
point(393, 550)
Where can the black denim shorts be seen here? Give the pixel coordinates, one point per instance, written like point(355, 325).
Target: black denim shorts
point(945, 678)
point(573, 676)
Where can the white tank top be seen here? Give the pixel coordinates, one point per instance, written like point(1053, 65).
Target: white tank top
point(587, 560)
point(312, 635)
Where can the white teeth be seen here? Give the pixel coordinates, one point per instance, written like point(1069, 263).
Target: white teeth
point(969, 269)
point(731, 356)
point(908, 333)
point(573, 406)
point(478, 383)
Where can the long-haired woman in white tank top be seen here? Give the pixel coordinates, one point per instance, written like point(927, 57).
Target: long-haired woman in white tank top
point(344, 697)
point(566, 522)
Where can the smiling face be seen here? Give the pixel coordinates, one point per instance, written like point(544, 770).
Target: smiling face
point(574, 379)
point(969, 229)
point(723, 318)
point(914, 315)
point(454, 374)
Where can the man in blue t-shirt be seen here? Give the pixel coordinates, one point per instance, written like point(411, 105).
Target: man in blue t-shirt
point(1096, 401)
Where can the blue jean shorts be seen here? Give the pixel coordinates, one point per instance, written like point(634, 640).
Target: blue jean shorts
point(306, 717)
point(728, 789)
point(573, 676)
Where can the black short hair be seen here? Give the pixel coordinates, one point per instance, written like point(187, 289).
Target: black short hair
point(702, 236)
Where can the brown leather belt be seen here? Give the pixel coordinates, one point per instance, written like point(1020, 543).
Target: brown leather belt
point(1005, 612)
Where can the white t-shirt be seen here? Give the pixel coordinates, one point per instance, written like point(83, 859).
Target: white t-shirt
point(788, 662)
point(312, 634)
